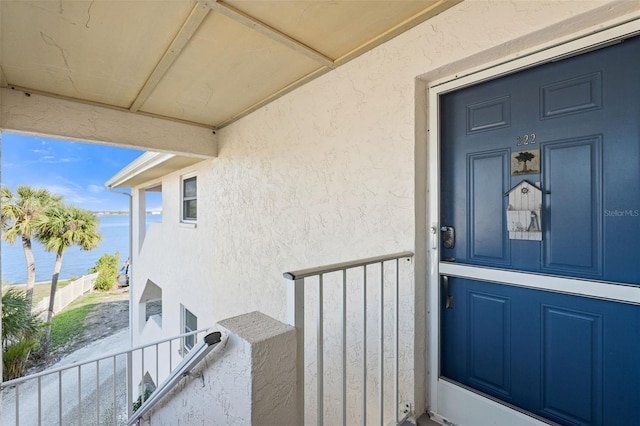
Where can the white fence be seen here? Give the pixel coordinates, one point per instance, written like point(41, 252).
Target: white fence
point(67, 294)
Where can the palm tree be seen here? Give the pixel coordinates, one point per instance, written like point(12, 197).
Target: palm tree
point(524, 157)
point(20, 214)
point(62, 227)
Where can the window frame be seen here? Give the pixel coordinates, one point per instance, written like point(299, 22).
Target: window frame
point(188, 342)
point(184, 199)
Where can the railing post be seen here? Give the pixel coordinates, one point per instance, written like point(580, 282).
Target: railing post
point(60, 397)
point(129, 384)
point(17, 405)
point(80, 395)
point(396, 351)
point(364, 347)
point(344, 347)
point(115, 399)
point(295, 317)
point(97, 392)
point(381, 347)
point(320, 349)
point(39, 401)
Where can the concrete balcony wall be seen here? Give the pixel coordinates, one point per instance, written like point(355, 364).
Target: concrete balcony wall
point(249, 379)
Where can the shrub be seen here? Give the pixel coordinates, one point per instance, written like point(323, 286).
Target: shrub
point(107, 269)
point(138, 402)
point(21, 332)
point(15, 357)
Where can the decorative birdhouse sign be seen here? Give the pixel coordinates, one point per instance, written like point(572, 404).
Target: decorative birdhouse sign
point(523, 214)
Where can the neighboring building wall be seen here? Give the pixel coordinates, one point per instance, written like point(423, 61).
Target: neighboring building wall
point(327, 174)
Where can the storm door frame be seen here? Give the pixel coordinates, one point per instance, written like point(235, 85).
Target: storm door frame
point(447, 402)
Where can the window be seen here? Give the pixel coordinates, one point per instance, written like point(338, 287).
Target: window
point(190, 199)
point(190, 323)
point(153, 308)
point(145, 388)
point(150, 304)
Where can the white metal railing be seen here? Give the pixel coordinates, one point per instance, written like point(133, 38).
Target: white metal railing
point(98, 391)
point(196, 354)
point(343, 279)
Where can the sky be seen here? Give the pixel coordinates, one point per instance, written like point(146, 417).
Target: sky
point(76, 171)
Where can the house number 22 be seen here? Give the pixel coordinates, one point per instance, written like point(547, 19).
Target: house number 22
point(526, 139)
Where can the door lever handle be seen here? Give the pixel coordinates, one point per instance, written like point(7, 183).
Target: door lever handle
point(448, 304)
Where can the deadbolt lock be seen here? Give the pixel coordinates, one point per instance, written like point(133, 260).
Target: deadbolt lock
point(448, 237)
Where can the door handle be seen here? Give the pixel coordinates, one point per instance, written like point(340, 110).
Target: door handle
point(448, 304)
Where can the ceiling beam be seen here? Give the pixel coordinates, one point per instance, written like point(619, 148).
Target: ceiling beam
point(268, 31)
point(32, 91)
point(190, 26)
point(34, 114)
point(420, 17)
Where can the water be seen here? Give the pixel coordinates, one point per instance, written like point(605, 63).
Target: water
point(115, 237)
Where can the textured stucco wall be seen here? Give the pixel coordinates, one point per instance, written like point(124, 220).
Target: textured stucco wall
point(327, 174)
point(249, 379)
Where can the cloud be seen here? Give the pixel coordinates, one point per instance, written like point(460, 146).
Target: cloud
point(95, 189)
point(74, 171)
point(52, 159)
point(69, 159)
point(75, 195)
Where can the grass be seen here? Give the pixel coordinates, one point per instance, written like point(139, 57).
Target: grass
point(69, 323)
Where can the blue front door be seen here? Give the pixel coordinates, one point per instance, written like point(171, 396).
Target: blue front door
point(570, 131)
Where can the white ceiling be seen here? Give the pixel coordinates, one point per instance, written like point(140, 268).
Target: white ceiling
point(205, 62)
